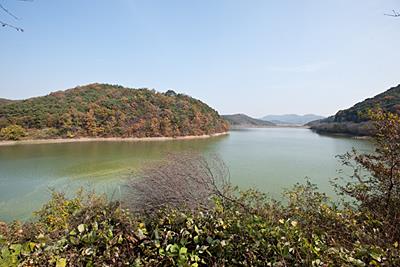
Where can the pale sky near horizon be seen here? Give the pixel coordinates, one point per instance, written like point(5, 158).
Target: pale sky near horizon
point(240, 56)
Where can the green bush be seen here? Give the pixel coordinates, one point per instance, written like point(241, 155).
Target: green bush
point(308, 231)
point(12, 132)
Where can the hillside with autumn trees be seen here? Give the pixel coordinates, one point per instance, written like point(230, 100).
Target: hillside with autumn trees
point(103, 110)
point(356, 120)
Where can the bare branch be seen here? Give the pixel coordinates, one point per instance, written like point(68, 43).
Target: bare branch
point(8, 12)
point(4, 24)
point(395, 14)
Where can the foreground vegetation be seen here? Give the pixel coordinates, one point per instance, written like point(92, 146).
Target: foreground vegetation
point(244, 121)
point(309, 231)
point(163, 221)
point(102, 110)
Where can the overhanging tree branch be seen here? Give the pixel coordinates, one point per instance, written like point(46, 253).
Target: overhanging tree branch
point(395, 14)
point(8, 12)
point(4, 24)
point(11, 14)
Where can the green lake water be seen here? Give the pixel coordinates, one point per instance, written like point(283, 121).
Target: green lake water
point(267, 159)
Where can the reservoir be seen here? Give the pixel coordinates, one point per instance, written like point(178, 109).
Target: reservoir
point(269, 159)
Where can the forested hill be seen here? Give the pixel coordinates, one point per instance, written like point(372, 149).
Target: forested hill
point(5, 101)
point(355, 120)
point(388, 101)
point(244, 121)
point(102, 110)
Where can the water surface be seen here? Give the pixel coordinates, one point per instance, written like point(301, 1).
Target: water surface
point(268, 159)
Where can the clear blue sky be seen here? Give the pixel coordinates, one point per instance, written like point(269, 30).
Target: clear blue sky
point(249, 56)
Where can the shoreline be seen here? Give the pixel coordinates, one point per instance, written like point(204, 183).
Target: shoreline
point(347, 135)
point(107, 139)
point(270, 126)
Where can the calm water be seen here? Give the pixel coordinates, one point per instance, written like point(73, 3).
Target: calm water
point(268, 159)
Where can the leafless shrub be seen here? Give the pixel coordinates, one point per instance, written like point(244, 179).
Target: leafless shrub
point(188, 180)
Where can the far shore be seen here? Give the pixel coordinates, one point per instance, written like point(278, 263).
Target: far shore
point(269, 126)
point(358, 137)
point(106, 139)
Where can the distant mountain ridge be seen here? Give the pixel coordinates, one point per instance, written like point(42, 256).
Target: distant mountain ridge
point(292, 119)
point(354, 120)
point(244, 121)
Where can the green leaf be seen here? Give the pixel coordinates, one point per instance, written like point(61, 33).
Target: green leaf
point(183, 251)
point(62, 262)
point(95, 226)
point(376, 256)
point(32, 245)
point(17, 248)
point(81, 228)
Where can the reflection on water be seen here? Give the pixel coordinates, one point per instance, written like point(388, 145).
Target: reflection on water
point(268, 159)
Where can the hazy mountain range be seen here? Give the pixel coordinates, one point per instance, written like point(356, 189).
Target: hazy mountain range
point(292, 119)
